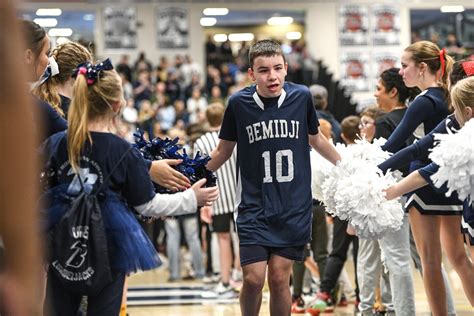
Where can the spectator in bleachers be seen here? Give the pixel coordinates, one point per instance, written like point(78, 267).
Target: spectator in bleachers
point(142, 63)
point(158, 131)
point(166, 115)
point(243, 57)
point(159, 95)
point(126, 86)
point(295, 60)
point(195, 105)
point(124, 68)
point(161, 73)
point(142, 89)
point(320, 100)
point(226, 78)
point(226, 54)
point(182, 116)
point(195, 82)
point(146, 115)
point(216, 95)
point(173, 87)
point(211, 51)
point(189, 69)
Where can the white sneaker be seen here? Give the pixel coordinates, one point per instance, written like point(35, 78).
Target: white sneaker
point(212, 278)
point(225, 291)
point(220, 291)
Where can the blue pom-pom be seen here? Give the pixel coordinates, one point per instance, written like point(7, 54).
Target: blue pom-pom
point(193, 168)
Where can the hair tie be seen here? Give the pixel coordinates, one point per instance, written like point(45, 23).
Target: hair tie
point(468, 67)
point(91, 71)
point(442, 56)
point(82, 71)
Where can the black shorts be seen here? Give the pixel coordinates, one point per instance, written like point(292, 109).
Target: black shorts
point(221, 223)
point(256, 253)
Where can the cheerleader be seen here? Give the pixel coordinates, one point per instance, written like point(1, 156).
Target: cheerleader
point(461, 95)
point(36, 57)
point(433, 217)
point(57, 88)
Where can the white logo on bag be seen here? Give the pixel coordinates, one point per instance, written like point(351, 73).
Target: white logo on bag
point(79, 247)
point(79, 255)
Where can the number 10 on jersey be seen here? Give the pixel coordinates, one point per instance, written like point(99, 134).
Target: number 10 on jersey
point(279, 166)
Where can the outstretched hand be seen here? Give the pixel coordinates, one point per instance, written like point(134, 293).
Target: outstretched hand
point(206, 214)
point(161, 172)
point(389, 193)
point(205, 196)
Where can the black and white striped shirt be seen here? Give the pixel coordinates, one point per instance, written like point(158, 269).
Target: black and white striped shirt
point(225, 174)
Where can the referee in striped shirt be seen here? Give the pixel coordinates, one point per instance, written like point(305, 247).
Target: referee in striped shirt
point(222, 209)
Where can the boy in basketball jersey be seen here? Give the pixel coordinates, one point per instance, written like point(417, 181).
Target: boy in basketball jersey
point(272, 123)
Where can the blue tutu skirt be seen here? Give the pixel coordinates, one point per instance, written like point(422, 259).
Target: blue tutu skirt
point(430, 202)
point(130, 249)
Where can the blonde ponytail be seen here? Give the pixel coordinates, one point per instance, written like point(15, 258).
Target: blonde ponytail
point(95, 89)
point(68, 56)
point(78, 133)
point(48, 93)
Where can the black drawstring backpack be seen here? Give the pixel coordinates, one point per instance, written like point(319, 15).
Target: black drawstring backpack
point(79, 255)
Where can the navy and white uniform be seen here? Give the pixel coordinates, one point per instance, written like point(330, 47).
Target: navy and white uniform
point(467, 221)
point(48, 120)
point(273, 199)
point(426, 199)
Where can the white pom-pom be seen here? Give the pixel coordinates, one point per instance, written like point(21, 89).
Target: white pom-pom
point(455, 157)
point(320, 170)
point(354, 191)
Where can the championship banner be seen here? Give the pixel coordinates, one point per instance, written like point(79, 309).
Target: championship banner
point(120, 28)
point(385, 24)
point(355, 70)
point(353, 25)
point(172, 27)
point(383, 60)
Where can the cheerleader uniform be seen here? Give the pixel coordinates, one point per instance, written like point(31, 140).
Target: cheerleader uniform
point(427, 200)
point(467, 221)
point(127, 185)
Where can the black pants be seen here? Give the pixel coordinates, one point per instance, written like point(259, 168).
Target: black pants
point(340, 244)
point(319, 246)
point(61, 302)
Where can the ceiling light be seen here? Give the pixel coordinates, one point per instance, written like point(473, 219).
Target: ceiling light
point(280, 20)
point(241, 37)
point(88, 17)
point(56, 32)
point(452, 8)
point(208, 21)
point(293, 35)
point(215, 11)
point(46, 22)
point(220, 38)
point(62, 40)
point(50, 12)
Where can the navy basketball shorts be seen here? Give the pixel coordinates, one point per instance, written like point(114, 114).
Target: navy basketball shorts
point(256, 253)
point(221, 223)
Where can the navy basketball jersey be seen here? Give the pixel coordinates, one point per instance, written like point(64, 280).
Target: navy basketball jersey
point(273, 199)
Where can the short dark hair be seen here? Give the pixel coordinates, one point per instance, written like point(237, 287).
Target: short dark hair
point(392, 79)
point(267, 48)
point(350, 127)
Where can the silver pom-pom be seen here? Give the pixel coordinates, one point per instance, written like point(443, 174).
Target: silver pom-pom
point(455, 157)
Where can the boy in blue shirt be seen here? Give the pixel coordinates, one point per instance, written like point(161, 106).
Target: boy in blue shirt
point(272, 123)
